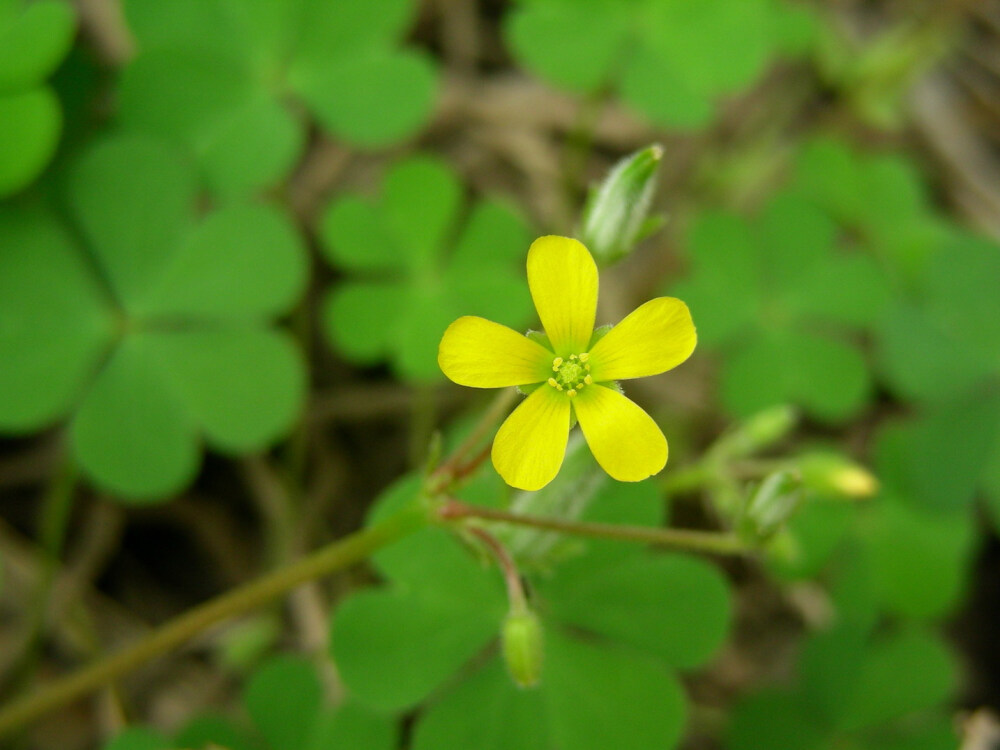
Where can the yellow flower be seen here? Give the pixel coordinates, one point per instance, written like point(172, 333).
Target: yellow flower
point(577, 374)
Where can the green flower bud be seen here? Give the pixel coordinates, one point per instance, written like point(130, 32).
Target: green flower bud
point(616, 216)
point(833, 474)
point(772, 503)
point(522, 647)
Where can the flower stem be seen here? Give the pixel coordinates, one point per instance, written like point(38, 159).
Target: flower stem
point(329, 559)
point(452, 466)
point(515, 589)
point(698, 541)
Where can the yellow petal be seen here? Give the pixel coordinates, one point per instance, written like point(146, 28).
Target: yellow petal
point(529, 447)
point(483, 354)
point(562, 277)
point(623, 438)
point(654, 338)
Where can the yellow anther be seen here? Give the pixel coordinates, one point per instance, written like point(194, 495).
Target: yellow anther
point(556, 363)
point(587, 379)
point(553, 383)
point(571, 392)
point(572, 356)
point(584, 357)
point(587, 368)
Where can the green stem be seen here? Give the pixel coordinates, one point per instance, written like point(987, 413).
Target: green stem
point(56, 509)
point(697, 541)
point(325, 561)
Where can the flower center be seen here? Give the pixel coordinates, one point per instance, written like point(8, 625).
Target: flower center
point(571, 374)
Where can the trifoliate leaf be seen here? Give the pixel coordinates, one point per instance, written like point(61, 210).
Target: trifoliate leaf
point(283, 698)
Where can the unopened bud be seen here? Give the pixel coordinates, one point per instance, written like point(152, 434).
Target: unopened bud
point(616, 216)
point(833, 474)
point(522, 647)
point(773, 503)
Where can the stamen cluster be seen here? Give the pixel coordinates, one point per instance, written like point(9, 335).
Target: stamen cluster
point(571, 374)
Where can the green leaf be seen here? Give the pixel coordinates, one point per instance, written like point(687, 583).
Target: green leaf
point(962, 294)
point(331, 31)
point(920, 561)
point(208, 730)
point(242, 261)
point(132, 434)
point(205, 101)
point(847, 289)
point(484, 712)
point(429, 311)
point(256, 145)
point(494, 234)
point(283, 698)
point(353, 726)
point(921, 360)
point(420, 199)
point(776, 720)
point(935, 462)
point(590, 698)
point(793, 234)
point(33, 43)
point(192, 24)
point(371, 100)
point(139, 738)
point(724, 292)
point(393, 647)
point(674, 606)
point(826, 377)
point(687, 36)
point(30, 122)
point(244, 386)
point(900, 675)
point(816, 530)
point(133, 197)
point(656, 89)
point(598, 28)
point(600, 698)
point(355, 236)
point(360, 319)
point(829, 667)
point(54, 320)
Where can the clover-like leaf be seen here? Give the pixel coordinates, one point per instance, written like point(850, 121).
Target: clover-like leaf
point(283, 698)
point(660, 54)
point(590, 698)
point(55, 320)
point(779, 298)
point(961, 434)
point(856, 690)
point(34, 39)
point(615, 618)
point(157, 329)
point(216, 76)
point(417, 268)
point(920, 560)
point(673, 606)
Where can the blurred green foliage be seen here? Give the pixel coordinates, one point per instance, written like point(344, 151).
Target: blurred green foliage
point(420, 256)
point(398, 646)
point(34, 39)
point(221, 77)
point(146, 323)
point(146, 278)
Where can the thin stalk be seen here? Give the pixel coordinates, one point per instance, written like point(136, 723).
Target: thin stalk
point(515, 589)
point(719, 543)
point(498, 409)
point(55, 511)
point(329, 559)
